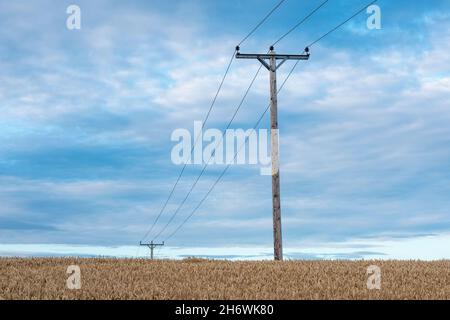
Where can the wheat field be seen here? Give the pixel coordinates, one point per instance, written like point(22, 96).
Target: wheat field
point(45, 278)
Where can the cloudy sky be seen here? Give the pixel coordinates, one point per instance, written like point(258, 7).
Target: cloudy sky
point(86, 118)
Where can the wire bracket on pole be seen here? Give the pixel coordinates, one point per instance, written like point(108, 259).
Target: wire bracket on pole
point(263, 57)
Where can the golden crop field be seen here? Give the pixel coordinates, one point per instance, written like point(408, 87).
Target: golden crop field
point(205, 279)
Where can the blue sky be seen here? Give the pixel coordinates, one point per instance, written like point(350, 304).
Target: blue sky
point(86, 118)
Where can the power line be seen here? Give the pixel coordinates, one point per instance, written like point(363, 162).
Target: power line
point(260, 119)
point(192, 149)
point(300, 22)
point(261, 22)
point(341, 24)
point(208, 114)
point(207, 163)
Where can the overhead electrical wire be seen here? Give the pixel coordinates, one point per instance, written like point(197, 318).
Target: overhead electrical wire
point(192, 149)
point(341, 24)
point(207, 163)
point(300, 23)
point(208, 114)
point(261, 22)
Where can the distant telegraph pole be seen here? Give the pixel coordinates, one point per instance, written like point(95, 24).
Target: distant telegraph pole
point(151, 246)
point(272, 66)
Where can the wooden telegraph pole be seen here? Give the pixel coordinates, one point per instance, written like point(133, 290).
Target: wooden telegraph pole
point(151, 246)
point(274, 136)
